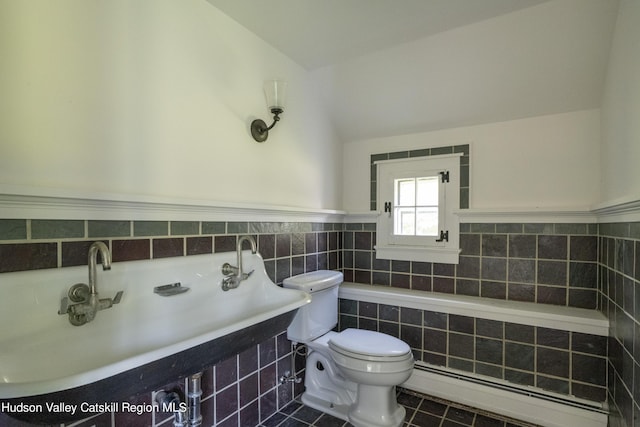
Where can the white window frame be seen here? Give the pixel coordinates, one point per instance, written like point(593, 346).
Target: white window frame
point(419, 248)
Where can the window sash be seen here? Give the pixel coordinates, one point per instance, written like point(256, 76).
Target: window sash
point(421, 245)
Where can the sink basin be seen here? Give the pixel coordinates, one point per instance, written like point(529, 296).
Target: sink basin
point(145, 341)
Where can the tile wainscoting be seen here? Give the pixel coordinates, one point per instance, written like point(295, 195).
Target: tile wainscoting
point(556, 360)
point(592, 266)
point(242, 390)
point(619, 261)
point(542, 263)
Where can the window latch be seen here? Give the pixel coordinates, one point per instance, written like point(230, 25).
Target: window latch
point(444, 236)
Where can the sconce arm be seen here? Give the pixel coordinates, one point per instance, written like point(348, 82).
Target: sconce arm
point(259, 129)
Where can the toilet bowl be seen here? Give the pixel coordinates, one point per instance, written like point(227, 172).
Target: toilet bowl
point(351, 374)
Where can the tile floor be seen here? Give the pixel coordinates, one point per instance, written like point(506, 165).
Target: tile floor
point(422, 411)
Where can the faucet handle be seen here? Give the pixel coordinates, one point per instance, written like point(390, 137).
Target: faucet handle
point(64, 306)
point(228, 269)
point(108, 302)
point(118, 297)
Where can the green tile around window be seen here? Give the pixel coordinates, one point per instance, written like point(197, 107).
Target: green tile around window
point(399, 155)
point(464, 169)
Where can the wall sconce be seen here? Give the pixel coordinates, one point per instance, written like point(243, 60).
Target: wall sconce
point(274, 91)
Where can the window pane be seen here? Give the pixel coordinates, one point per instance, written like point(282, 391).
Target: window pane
point(427, 191)
point(406, 192)
point(427, 222)
point(405, 220)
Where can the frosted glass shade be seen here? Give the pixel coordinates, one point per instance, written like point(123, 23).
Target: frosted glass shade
point(275, 92)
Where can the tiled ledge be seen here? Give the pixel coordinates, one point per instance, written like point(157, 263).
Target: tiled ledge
point(548, 316)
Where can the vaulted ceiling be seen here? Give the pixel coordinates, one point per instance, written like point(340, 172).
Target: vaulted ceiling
point(390, 67)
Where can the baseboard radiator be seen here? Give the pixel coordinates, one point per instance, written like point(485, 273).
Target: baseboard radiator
point(528, 404)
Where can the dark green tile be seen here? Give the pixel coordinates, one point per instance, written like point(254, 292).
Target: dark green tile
point(237, 227)
point(214, 227)
point(150, 228)
point(464, 198)
point(369, 226)
point(399, 155)
point(441, 150)
point(538, 228)
point(461, 149)
point(13, 229)
point(571, 228)
point(379, 157)
point(56, 229)
point(420, 153)
point(464, 176)
point(509, 228)
point(634, 230)
point(109, 228)
point(185, 227)
point(353, 226)
point(482, 228)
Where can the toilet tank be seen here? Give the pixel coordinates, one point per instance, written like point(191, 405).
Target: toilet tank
point(321, 314)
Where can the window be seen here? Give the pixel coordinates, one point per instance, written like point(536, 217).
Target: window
point(417, 198)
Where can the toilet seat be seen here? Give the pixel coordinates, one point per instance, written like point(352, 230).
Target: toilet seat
point(369, 346)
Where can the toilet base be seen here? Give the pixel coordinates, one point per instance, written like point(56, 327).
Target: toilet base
point(338, 411)
point(376, 407)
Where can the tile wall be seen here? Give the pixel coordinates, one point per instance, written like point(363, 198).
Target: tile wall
point(287, 248)
point(564, 362)
point(542, 263)
point(242, 390)
point(619, 257)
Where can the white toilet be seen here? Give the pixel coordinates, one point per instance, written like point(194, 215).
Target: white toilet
point(351, 374)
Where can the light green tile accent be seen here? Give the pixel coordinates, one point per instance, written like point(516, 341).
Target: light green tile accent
point(483, 228)
point(538, 228)
point(570, 228)
point(509, 228)
point(56, 229)
point(150, 228)
point(109, 229)
point(181, 228)
point(214, 227)
point(13, 229)
point(237, 227)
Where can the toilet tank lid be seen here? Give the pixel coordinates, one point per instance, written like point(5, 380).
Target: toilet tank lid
point(314, 281)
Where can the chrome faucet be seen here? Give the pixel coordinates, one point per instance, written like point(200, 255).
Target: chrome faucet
point(82, 302)
point(235, 275)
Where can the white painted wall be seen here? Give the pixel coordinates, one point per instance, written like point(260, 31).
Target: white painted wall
point(535, 163)
point(546, 59)
point(621, 110)
point(154, 98)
